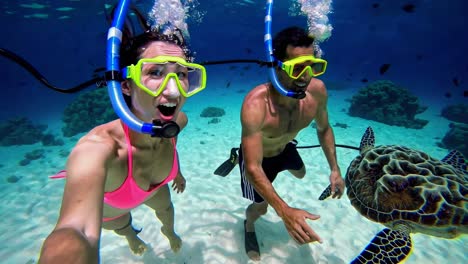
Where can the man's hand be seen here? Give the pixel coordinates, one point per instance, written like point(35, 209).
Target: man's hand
point(179, 183)
point(337, 184)
point(295, 222)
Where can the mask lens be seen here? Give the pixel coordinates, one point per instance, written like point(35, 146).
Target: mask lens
point(318, 68)
point(195, 79)
point(152, 75)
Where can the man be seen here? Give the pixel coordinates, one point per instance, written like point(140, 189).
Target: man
point(270, 122)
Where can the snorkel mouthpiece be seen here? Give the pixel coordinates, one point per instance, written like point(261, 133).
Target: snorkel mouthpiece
point(298, 95)
point(167, 129)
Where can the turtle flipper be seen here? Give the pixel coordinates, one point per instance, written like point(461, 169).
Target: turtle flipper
point(326, 193)
point(388, 246)
point(367, 140)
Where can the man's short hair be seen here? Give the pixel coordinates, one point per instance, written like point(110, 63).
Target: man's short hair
point(294, 36)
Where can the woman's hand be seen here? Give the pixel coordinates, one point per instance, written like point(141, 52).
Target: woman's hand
point(179, 183)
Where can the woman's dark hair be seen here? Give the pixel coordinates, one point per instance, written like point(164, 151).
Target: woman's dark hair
point(132, 46)
point(294, 36)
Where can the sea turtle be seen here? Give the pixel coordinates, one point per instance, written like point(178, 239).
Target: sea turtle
point(407, 191)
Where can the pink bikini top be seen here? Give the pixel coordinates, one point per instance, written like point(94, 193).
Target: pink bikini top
point(129, 195)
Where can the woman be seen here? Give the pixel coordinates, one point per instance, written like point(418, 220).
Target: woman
point(113, 169)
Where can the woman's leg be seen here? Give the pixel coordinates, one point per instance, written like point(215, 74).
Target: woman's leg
point(123, 226)
point(162, 205)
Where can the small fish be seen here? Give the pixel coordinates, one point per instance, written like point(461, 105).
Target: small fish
point(37, 15)
point(232, 67)
point(248, 50)
point(228, 84)
point(408, 8)
point(33, 6)
point(448, 95)
point(456, 81)
point(64, 9)
point(419, 57)
point(375, 5)
point(384, 68)
point(465, 93)
point(364, 80)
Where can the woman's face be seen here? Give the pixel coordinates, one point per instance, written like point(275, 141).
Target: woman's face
point(168, 104)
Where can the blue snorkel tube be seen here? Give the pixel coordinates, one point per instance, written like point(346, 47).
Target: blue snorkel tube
point(269, 55)
point(114, 39)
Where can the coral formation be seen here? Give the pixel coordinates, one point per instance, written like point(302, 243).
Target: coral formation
point(455, 138)
point(20, 131)
point(385, 102)
point(87, 111)
point(456, 113)
point(212, 112)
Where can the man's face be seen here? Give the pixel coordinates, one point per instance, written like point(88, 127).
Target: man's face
point(301, 83)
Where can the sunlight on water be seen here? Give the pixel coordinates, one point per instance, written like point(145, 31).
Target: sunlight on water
point(168, 15)
point(317, 18)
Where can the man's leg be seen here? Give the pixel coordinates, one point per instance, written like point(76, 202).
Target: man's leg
point(252, 213)
point(123, 226)
point(300, 173)
point(162, 205)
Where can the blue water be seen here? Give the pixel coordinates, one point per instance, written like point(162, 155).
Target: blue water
point(426, 49)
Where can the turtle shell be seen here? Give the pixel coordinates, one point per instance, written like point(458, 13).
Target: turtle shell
point(393, 183)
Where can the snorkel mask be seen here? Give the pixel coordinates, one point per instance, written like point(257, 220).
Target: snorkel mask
point(295, 68)
point(195, 73)
point(152, 75)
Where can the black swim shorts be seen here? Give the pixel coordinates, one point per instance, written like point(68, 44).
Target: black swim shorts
point(289, 159)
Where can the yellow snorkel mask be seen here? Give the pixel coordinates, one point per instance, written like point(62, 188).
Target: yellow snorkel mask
point(296, 67)
point(152, 75)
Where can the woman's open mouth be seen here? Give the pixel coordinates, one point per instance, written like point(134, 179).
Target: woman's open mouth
point(167, 109)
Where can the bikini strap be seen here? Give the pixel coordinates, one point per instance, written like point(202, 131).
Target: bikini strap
point(129, 150)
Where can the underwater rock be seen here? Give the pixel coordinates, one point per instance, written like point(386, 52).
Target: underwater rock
point(456, 113)
point(342, 125)
point(456, 137)
point(214, 120)
point(387, 103)
point(13, 179)
point(212, 112)
point(20, 131)
point(51, 140)
point(24, 162)
point(90, 109)
point(64, 153)
point(35, 154)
